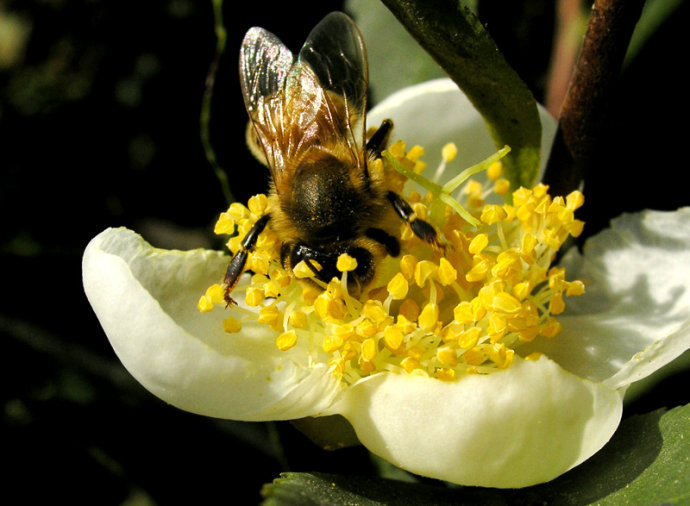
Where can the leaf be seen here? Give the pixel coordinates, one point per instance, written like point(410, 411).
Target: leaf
point(654, 13)
point(454, 37)
point(306, 489)
point(666, 479)
point(646, 462)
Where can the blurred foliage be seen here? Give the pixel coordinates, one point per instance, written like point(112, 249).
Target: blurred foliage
point(99, 126)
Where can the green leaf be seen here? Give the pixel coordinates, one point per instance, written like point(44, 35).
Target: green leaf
point(666, 448)
point(307, 489)
point(654, 13)
point(646, 462)
point(451, 33)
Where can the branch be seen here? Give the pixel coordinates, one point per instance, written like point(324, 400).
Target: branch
point(583, 113)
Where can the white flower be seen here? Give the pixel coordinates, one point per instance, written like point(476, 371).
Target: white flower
point(518, 426)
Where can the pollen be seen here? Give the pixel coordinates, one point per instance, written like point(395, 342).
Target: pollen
point(408, 264)
point(373, 309)
point(346, 263)
point(298, 319)
point(414, 153)
point(205, 304)
point(429, 317)
point(494, 171)
point(258, 204)
point(369, 349)
point(423, 271)
point(464, 305)
point(393, 337)
point(449, 152)
point(478, 243)
point(398, 287)
point(286, 340)
point(446, 272)
point(302, 270)
point(254, 296)
point(231, 325)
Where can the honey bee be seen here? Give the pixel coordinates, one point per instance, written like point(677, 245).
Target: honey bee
point(308, 120)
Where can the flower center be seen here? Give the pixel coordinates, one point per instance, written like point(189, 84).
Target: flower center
point(440, 312)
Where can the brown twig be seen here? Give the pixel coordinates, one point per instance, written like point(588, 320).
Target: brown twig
point(583, 113)
point(570, 26)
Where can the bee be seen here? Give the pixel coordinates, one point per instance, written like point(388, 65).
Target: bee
point(307, 117)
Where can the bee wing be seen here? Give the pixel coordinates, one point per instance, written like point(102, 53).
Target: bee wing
point(264, 65)
point(298, 105)
point(335, 53)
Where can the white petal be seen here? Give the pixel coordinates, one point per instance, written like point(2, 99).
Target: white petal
point(436, 112)
point(635, 315)
point(145, 300)
point(514, 428)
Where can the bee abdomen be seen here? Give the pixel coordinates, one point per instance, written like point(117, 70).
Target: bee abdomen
point(325, 204)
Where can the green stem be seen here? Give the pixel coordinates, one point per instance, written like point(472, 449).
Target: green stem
point(471, 171)
point(443, 193)
point(221, 37)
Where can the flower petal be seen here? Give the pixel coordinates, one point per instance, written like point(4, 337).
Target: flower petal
point(436, 112)
point(145, 300)
point(634, 317)
point(513, 428)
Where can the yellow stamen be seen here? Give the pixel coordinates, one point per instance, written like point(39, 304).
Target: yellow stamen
point(556, 305)
point(393, 337)
point(366, 329)
point(398, 287)
point(423, 271)
point(286, 340)
point(445, 374)
point(346, 263)
point(302, 269)
point(373, 309)
point(409, 364)
point(575, 288)
point(502, 187)
point(408, 264)
point(332, 343)
point(449, 152)
point(447, 356)
point(487, 290)
point(415, 153)
point(428, 317)
point(298, 319)
point(469, 338)
point(231, 325)
point(258, 204)
point(254, 296)
point(369, 349)
point(205, 304)
point(446, 272)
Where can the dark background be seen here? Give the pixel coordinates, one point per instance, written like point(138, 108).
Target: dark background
point(99, 127)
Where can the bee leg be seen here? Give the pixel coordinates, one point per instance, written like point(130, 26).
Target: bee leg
point(234, 271)
point(291, 254)
point(379, 140)
point(421, 228)
point(389, 242)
